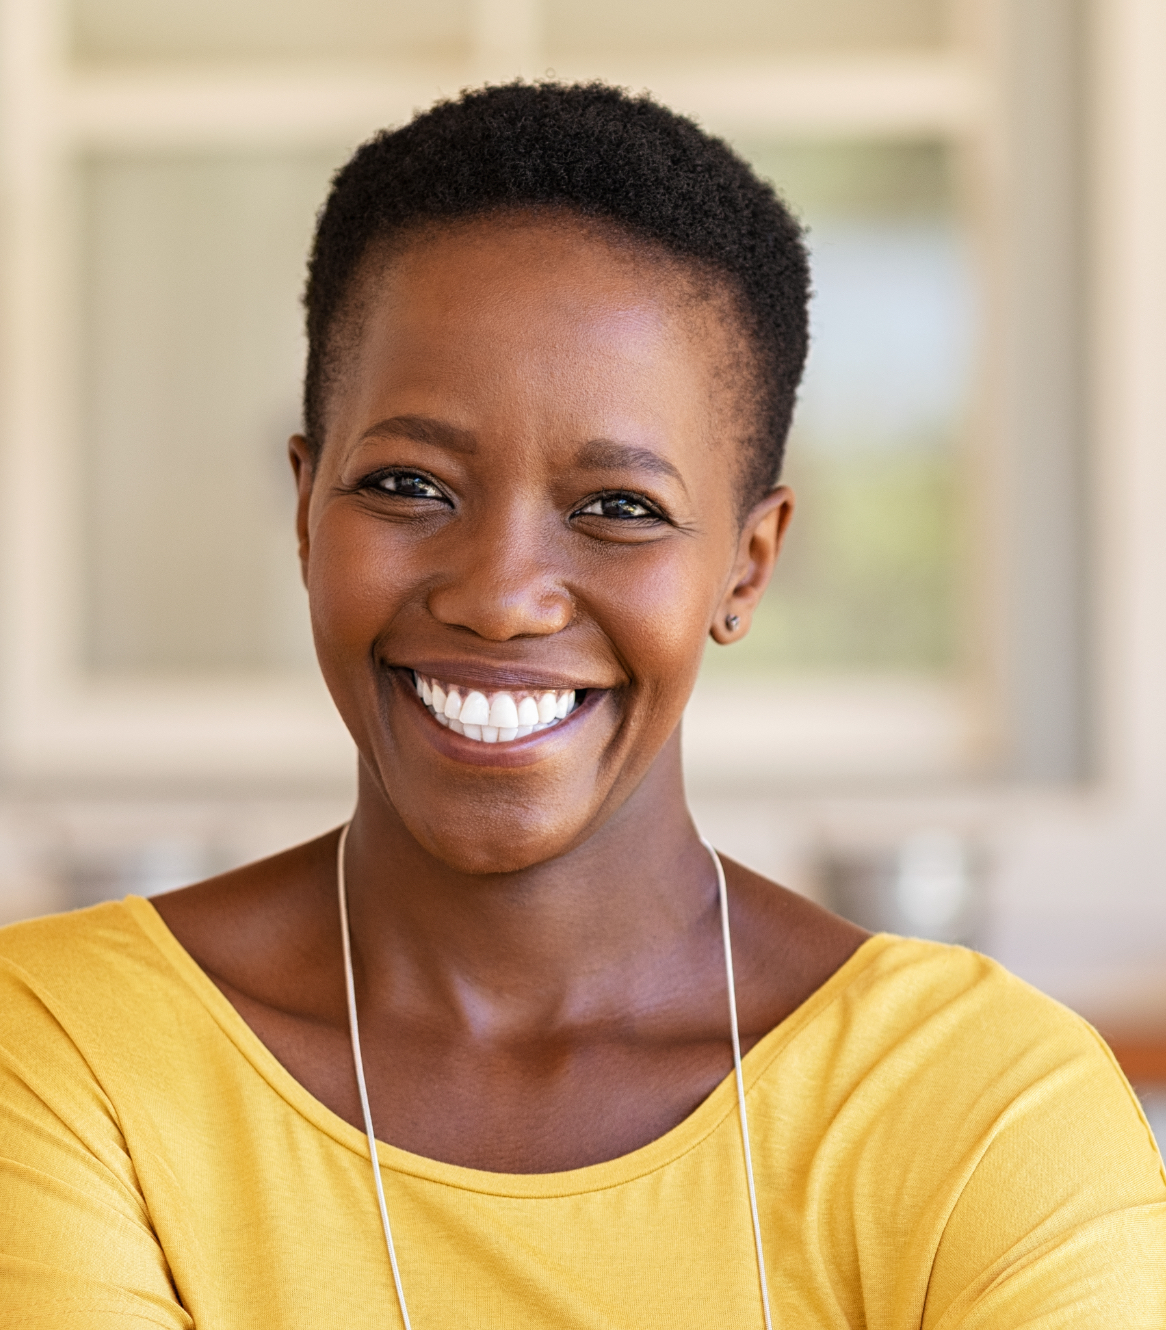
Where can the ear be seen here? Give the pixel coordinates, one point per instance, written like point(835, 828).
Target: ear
point(303, 468)
point(757, 550)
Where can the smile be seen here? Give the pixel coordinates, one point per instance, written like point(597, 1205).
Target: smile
point(493, 717)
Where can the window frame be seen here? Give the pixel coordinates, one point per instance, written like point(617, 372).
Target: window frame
point(58, 724)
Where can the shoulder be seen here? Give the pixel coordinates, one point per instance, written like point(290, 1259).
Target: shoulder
point(80, 993)
point(950, 998)
point(950, 1110)
point(939, 1054)
point(86, 989)
point(949, 1012)
point(77, 991)
point(64, 955)
point(108, 1028)
point(1005, 1119)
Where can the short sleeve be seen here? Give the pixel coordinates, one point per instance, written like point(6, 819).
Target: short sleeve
point(1062, 1222)
point(76, 1245)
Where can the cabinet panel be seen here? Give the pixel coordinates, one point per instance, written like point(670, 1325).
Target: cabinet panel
point(265, 30)
point(742, 27)
point(191, 352)
point(871, 579)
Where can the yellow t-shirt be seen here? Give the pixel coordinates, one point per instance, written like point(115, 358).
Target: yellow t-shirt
point(935, 1144)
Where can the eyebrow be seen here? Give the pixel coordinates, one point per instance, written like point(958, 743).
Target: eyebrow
point(607, 455)
point(594, 455)
point(423, 429)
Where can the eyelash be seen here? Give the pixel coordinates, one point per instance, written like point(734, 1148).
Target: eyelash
point(377, 483)
point(650, 514)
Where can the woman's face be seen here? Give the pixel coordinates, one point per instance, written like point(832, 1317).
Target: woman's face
point(528, 489)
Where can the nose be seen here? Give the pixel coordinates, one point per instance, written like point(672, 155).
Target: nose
point(505, 582)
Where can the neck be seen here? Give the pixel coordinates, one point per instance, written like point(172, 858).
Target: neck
point(588, 930)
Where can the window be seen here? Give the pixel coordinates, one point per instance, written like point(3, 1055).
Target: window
point(869, 580)
point(165, 164)
point(190, 351)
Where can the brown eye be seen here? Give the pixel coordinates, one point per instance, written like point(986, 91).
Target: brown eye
point(619, 506)
point(408, 485)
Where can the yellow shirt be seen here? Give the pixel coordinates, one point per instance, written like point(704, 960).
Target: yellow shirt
point(935, 1144)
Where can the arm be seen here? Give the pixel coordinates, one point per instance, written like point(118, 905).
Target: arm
point(76, 1243)
point(1062, 1222)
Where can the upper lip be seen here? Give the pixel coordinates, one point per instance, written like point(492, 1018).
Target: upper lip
point(498, 678)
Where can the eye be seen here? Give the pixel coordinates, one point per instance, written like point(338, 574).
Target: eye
point(407, 484)
point(619, 506)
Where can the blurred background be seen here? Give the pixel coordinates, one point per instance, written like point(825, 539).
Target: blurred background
point(950, 718)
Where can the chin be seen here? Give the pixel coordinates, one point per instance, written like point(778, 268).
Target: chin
point(498, 850)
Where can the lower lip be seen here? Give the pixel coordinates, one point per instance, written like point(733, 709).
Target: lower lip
point(514, 752)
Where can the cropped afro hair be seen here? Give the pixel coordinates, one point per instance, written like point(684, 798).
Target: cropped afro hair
point(605, 155)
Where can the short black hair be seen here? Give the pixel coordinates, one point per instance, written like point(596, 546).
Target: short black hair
point(607, 156)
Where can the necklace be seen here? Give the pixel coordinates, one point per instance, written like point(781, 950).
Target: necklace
point(358, 1062)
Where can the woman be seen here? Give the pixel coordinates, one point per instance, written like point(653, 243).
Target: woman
point(555, 336)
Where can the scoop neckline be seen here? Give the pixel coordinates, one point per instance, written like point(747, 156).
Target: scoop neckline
point(656, 1154)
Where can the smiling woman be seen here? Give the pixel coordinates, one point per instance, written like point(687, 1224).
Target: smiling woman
point(527, 484)
point(555, 336)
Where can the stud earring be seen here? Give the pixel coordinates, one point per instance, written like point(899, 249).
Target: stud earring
point(731, 622)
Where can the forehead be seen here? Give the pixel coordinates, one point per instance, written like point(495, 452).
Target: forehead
point(515, 273)
point(549, 312)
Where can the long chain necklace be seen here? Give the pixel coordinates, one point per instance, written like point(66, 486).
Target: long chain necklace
point(358, 1062)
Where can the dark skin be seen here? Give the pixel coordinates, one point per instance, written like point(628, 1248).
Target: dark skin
point(529, 477)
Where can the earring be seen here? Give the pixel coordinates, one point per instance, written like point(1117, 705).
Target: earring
point(731, 622)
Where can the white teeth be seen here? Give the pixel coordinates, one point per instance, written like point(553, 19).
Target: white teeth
point(497, 718)
point(503, 712)
point(475, 710)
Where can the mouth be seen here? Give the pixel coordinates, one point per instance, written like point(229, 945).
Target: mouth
point(494, 717)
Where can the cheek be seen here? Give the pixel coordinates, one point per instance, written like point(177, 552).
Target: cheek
point(354, 584)
point(657, 609)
